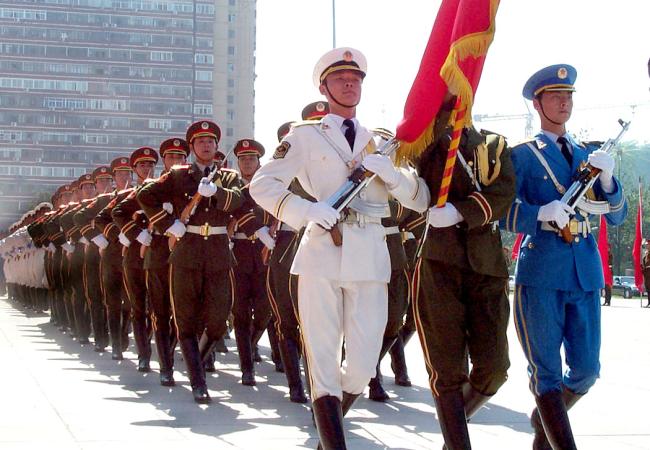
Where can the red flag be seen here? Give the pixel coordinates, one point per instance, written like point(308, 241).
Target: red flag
point(452, 61)
point(516, 246)
point(603, 249)
point(638, 242)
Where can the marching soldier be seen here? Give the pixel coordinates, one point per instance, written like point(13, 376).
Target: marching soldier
point(338, 297)
point(459, 300)
point(105, 234)
point(251, 309)
point(560, 305)
point(133, 224)
point(173, 152)
point(92, 277)
point(201, 278)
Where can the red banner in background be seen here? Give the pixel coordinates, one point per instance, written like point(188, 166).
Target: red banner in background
point(638, 243)
point(603, 249)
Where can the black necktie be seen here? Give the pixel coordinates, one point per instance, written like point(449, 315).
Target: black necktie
point(206, 171)
point(350, 132)
point(564, 146)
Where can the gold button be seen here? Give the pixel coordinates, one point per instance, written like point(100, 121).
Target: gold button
point(205, 238)
point(206, 209)
point(546, 177)
point(577, 239)
point(471, 163)
point(531, 245)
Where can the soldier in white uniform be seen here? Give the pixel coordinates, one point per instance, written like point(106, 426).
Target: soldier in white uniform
point(342, 291)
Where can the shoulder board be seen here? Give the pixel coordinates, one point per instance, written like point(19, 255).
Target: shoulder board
point(124, 191)
point(485, 132)
point(302, 123)
point(226, 169)
point(383, 133)
point(524, 142)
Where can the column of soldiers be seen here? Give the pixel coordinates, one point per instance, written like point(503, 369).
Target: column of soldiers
point(179, 255)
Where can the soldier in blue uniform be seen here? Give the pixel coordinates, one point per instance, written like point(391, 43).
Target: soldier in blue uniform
point(556, 299)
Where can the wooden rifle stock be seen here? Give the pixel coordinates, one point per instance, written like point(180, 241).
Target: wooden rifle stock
point(357, 176)
point(587, 174)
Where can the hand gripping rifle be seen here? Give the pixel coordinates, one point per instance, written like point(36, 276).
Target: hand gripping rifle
point(575, 195)
point(190, 208)
point(358, 180)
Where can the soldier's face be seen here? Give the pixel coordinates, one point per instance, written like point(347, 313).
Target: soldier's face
point(66, 198)
point(204, 147)
point(122, 178)
point(87, 191)
point(248, 165)
point(344, 87)
point(103, 185)
point(557, 105)
point(172, 159)
point(144, 169)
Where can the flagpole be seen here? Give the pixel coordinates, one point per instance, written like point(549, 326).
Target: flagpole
point(458, 122)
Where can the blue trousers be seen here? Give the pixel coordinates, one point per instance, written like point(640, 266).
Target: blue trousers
point(548, 319)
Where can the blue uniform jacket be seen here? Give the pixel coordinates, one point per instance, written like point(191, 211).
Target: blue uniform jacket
point(545, 259)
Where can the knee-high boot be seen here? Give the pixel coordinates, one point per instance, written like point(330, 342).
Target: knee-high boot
point(453, 422)
point(290, 354)
point(192, 357)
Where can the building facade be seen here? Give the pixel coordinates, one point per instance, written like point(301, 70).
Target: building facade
point(85, 81)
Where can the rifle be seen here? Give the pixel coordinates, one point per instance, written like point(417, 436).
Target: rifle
point(266, 253)
point(575, 195)
point(190, 208)
point(358, 180)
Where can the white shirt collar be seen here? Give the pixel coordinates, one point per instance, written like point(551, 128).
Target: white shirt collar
point(339, 121)
point(554, 137)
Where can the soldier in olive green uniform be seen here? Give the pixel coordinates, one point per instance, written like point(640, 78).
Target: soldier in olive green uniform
point(201, 278)
point(459, 299)
point(105, 235)
point(133, 224)
point(92, 276)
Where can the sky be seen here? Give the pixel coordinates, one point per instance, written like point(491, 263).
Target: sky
point(608, 42)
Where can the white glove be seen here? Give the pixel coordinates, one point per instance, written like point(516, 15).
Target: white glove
point(264, 236)
point(444, 217)
point(177, 229)
point(144, 238)
point(383, 167)
point(556, 211)
point(605, 162)
point(51, 248)
point(124, 240)
point(68, 247)
point(168, 207)
point(207, 188)
point(83, 240)
point(322, 214)
point(100, 241)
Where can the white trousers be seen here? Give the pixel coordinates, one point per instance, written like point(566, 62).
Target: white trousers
point(331, 310)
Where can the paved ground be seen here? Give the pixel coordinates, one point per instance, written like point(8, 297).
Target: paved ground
point(56, 394)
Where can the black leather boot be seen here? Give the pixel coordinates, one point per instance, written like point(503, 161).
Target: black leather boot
point(473, 400)
point(329, 422)
point(453, 422)
point(143, 344)
point(289, 352)
point(540, 442)
point(115, 331)
point(555, 420)
point(165, 358)
point(206, 349)
point(398, 363)
point(192, 357)
point(245, 348)
point(221, 346)
point(377, 392)
point(255, 338)
point(347, 402)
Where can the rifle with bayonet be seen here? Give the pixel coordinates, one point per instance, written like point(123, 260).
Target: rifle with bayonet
point(575, 195)
point(356, 182)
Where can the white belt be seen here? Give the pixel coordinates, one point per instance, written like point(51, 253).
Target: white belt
point(242, 236)
point(575, 227)
point(392, 230)
point(354, 217)
point(206, 230)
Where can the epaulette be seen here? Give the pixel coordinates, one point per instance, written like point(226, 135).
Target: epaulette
point(226, 169)
point(124, 191)
point(485, 132)
point(302, 123)
point(524, 142)
point(180, 166)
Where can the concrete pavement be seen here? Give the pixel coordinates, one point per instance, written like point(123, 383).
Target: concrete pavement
point(56, 394)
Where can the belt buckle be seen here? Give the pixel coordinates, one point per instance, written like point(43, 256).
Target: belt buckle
point(205, 230)
point(573, 227)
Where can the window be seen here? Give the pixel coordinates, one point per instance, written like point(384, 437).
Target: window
point(229, 132)
point(203, 58)
point(231, 83)
point(231, 50)
point(160, 124)
point(202, 109)
point(203, 75)
point(161, 56)
point(231, 99)
point(230, 114)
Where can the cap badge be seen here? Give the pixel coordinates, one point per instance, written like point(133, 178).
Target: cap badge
point(103, 170)
point(320, 107)
point(205, 125)
point(177, 142)
point(347, 56)
point(123, 161)
point(245, 144)
point(562, 73)
point(146, 151)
